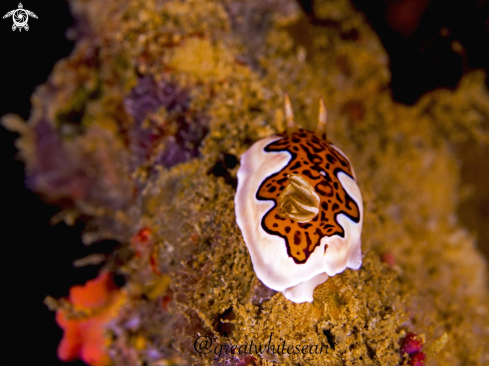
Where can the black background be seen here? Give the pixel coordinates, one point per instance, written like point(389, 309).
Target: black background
point(37, 257)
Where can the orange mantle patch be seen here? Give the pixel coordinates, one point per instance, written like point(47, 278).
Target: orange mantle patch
point(318, 162)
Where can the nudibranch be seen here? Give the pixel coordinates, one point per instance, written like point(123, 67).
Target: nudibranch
point(299, 209)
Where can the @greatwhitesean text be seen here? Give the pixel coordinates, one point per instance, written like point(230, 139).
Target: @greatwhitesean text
point(206, 346)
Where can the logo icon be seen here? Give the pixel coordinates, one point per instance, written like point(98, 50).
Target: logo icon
point(20, 17)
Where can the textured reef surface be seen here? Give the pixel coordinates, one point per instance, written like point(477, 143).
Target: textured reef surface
point(139, 133)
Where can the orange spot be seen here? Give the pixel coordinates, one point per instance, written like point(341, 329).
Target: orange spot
point(165, 301)
point(194, 239)
point(144, 246)
point(95, 293)
point(153, 263)
point(84, 338)
point(141, 241)
point(142, 236)
point(388, 258)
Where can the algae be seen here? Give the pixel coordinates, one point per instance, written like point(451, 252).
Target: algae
point(101, 148)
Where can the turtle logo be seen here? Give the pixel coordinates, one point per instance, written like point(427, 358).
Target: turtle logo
point(20, 17)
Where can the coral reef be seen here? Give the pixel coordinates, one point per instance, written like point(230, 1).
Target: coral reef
point(139, 132)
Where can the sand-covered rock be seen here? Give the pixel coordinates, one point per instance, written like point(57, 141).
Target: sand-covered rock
point(141, 129)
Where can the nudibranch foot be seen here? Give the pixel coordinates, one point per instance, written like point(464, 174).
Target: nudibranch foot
point(304, 290)
point(299, 209)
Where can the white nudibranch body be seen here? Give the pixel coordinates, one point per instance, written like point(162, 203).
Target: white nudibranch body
point(299, 209)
